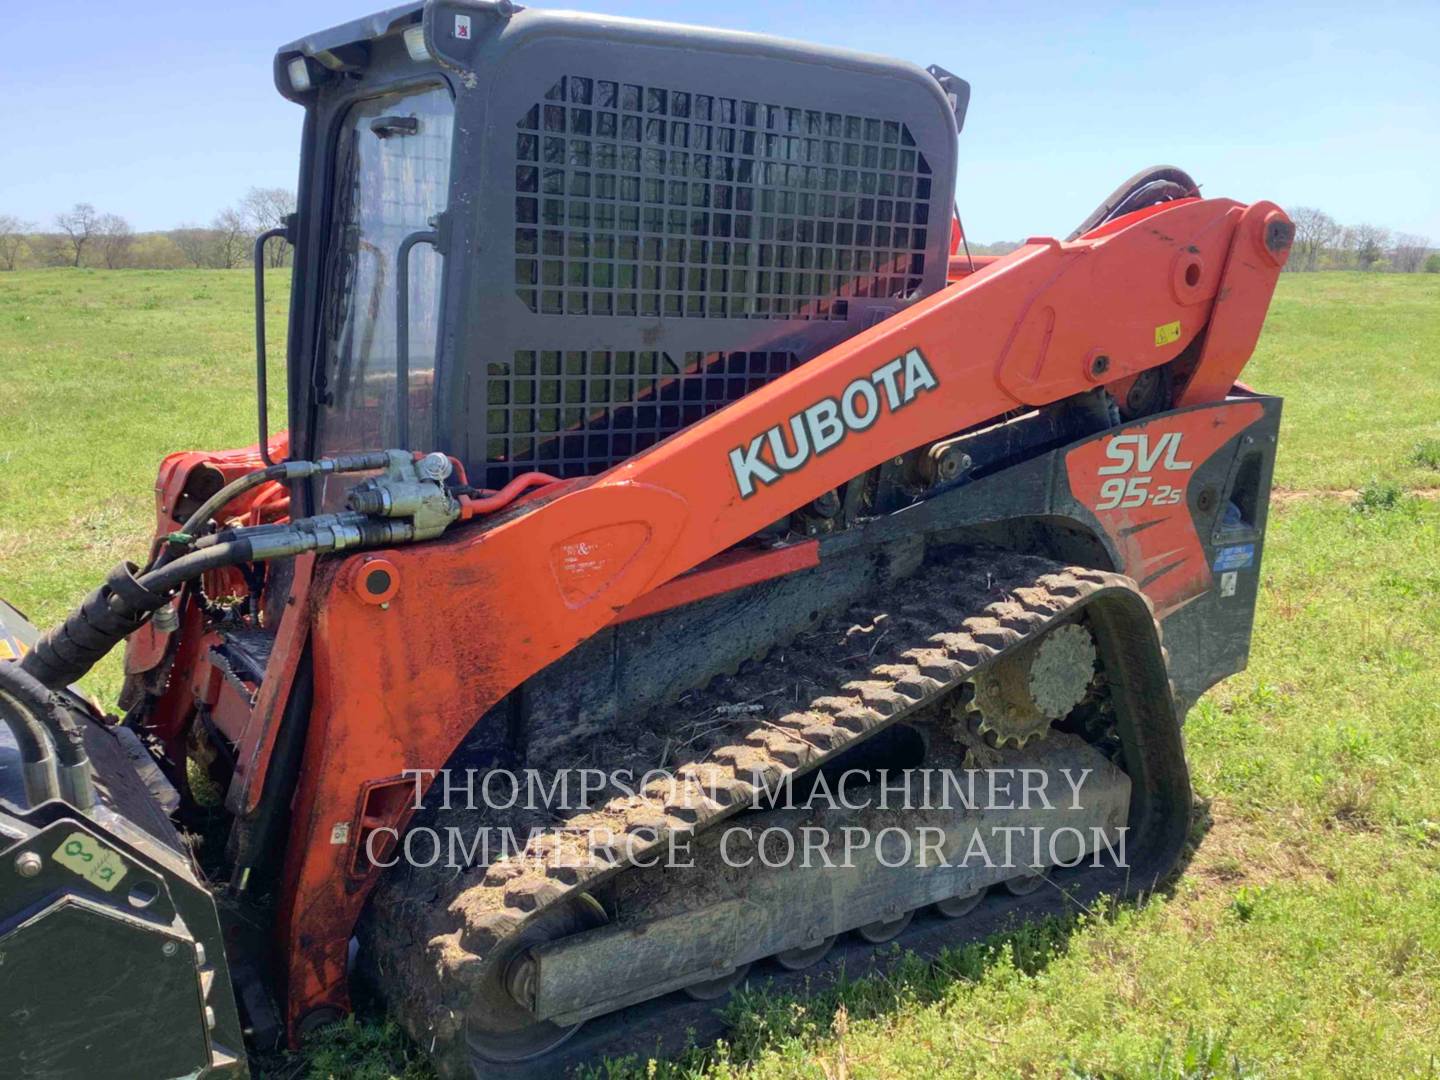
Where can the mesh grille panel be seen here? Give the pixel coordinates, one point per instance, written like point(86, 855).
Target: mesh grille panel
point(644, 201)
point(577, 413)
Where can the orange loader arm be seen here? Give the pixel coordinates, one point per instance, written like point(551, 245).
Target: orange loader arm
point(400, 681)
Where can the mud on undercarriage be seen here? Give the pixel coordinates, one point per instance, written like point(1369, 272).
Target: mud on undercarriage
point(495, 968)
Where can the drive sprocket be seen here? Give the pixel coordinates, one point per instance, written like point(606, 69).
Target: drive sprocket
point(1021, 696)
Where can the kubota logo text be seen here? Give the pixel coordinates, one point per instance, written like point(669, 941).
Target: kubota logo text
point(823, 425)
point(1134, 453)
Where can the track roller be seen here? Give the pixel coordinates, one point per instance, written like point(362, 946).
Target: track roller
point(957, 907)
point(718, 987)
point(882, 930)
point(1026, 884)
point(804, 956)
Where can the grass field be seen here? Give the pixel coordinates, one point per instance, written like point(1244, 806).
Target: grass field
point(1304, 939)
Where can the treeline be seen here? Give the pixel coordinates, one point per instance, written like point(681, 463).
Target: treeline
point(85, 236)
point(1322, 243)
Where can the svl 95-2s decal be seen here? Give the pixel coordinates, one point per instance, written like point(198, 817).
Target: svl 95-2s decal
point(1134, 453)
point(825, 424)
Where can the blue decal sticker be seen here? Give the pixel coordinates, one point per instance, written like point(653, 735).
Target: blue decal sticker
point(1235, 558)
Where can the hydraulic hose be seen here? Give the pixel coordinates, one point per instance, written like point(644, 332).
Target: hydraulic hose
point(116, 610)
point(284, 470)
point(230, 492)
point(166, 579)
point(108, 615)
point(128, 596)
point(121, 605)
point(1160, 183)
point(487, 504)
point(37, 764)
point(23, 692)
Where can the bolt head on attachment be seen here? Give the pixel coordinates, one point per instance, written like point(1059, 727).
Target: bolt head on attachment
point(28, 864)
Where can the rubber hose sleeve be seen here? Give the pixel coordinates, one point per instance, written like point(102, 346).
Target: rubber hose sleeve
point(38, 700)
point(116, 610)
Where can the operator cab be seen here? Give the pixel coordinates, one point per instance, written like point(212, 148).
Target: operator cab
point(595, 259)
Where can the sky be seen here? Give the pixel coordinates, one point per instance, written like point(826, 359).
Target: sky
point(166, 112)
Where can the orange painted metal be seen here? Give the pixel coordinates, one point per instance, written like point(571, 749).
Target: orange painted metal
point(964, 265)
point(252, 752)
point(485, 607)
point(1260, 249)
point(727, 571)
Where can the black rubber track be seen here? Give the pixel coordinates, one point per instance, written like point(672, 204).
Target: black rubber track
point(439, 938)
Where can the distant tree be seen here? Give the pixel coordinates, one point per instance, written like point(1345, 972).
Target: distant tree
point(1371, 242)
point(267, 208)
point(79, 225)
point(1432, 264)
point(115, 238)
point(1315, 231)
point(232, 236)
point(12, 240)
point(1409, 252)
point(194, 244)
point(1342, 255)
point(156, 251)
point(999, 247)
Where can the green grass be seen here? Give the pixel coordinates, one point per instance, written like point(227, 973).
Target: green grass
point(1354, 355)
point(106, 372)
point(1426, 454)
point(1303, 939)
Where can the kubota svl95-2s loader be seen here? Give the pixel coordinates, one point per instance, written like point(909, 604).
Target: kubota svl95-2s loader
point(646, 417)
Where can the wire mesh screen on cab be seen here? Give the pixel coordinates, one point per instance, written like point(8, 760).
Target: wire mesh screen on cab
point(651, 202)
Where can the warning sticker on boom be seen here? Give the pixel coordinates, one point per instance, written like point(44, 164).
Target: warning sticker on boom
point(1166, 333)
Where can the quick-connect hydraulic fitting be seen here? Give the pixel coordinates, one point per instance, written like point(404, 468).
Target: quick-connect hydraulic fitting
point(410, 489)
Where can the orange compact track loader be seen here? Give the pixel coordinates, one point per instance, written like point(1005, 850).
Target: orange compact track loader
point(666, 493)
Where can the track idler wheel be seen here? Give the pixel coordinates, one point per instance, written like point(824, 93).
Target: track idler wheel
point(500, 1029)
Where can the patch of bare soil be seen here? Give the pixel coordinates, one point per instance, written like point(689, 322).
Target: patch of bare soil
point(1236, 851)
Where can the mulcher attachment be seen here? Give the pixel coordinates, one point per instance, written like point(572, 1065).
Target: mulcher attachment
point(112, 961)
